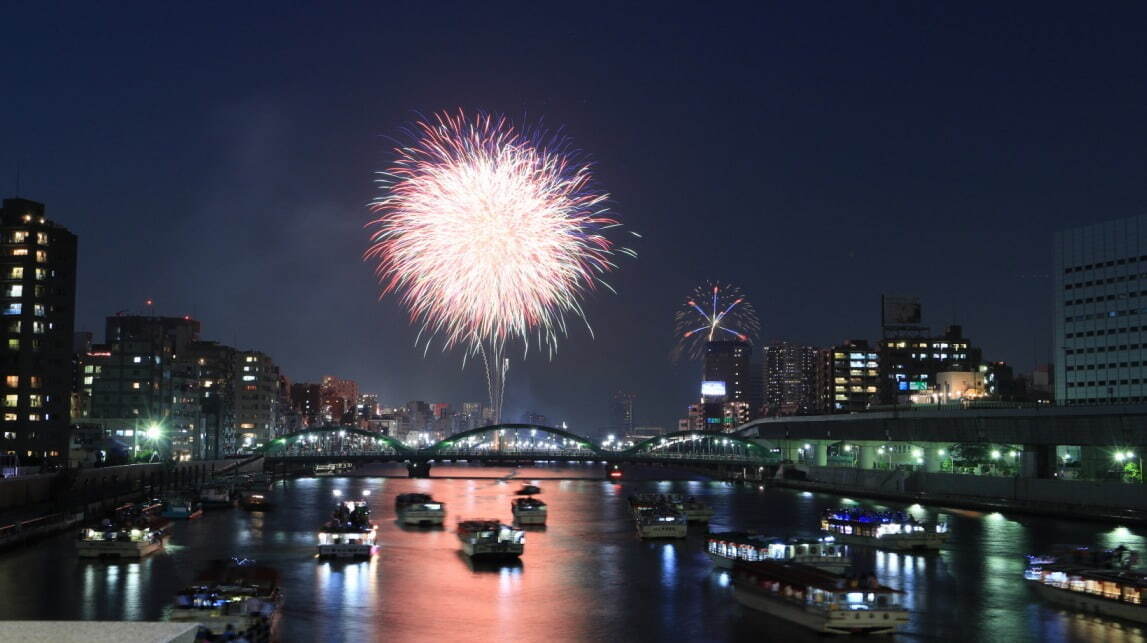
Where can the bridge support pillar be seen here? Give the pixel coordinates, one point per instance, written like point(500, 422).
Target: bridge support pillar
point(1038, 461)
point(418, 469)
point(931, 458)
point(866, 457)
point(821, 448)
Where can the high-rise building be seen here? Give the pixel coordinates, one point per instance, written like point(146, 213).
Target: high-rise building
point(39, 307)
point(909, 364)
point(789, 375)
point(1100, 316)
point(256, 399)
point(855, 377)
point(621, 412)
point(214, 369)
point(339, 399)
point(307, 399)
point(729, 363)
point(142, 393)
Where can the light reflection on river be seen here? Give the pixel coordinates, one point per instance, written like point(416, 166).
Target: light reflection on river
point(584, 577)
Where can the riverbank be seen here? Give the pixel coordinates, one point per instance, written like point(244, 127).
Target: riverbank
point(1094, 501)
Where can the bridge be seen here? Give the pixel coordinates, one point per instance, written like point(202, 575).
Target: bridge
point(513, 444)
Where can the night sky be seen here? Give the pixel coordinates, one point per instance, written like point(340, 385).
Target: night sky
point(219, 159)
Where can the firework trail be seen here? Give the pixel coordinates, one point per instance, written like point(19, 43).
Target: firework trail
point(714, 312)
point(489, 236)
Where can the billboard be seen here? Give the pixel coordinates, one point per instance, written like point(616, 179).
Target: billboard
point(897, 310)
point(712, 389)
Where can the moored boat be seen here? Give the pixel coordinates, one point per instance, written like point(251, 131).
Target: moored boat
point(233, 598)
point(349, 533)
point(660, 521)
point(818, 599)
point(490, 539)
point(181, 508)
point(216, 494)
point(529, 511)
point(725, 549)
point(133, 531)
point(528, 490)
point(1101, 583)
point(884, 529)
point(254, 499)
point(695, 510)
point(419, 509)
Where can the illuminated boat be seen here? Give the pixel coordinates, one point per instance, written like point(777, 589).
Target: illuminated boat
point(528, 511)
point(1095, 583)
point(695, 510)
point(725, 549)
point(349, 533)
point(419, 509)
point(133, 532)
point(887, 530)
point(216, 494)
point(181, 508)
point(490, 539)
point(660, 521)
point(233, 596)
point(254, 499)
point(817, 599)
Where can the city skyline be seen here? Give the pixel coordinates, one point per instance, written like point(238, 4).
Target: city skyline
point(900, 191)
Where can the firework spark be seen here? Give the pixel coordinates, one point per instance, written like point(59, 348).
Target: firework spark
point(714, 312)
point(490, 235)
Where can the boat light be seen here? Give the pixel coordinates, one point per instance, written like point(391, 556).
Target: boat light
point(337, 493)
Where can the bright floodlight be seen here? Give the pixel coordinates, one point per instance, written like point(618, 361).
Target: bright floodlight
point(365, 492)
point(153, 432)
point(337, 493)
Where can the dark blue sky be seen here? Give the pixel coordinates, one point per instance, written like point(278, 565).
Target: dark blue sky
point(218, 158)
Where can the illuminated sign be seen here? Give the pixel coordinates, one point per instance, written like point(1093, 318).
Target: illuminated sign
point(713, 389)
point(918, 386)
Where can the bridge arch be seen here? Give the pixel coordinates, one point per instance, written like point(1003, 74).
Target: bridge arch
point(446, 443)
point(283, 441)
point(752, 449)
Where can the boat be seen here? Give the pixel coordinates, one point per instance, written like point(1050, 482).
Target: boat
point(528, 511)
point(237, 594)
point(695, 510)
point(1103, 583)
point(133, 531)
point(659, 520)
point(615, 474)
point(884, 529)
point(254, 499)
point(349, 533)
point(817, 599)
point(528, 490)
point(216, 494)
point(490, 539)
point(181, 508)
point(725, 549)
point(333, 469)
point(419, 509)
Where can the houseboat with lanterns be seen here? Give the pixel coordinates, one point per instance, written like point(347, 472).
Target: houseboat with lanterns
point(726, 549)
point(528, 511)
point(884, 529)
point(349, 532)
point(1103, 583)
point(817, 599)
point(133, 531)
point(485, 539)
point(233, 598)
point(419, 509)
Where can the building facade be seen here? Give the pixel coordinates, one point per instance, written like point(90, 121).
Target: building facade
point(1100, 314)
point(729, 364)
point(39, 299)
point(621, 412)
point(909, 365)
point(256, 399)
point(789, 379)
point(855, 377)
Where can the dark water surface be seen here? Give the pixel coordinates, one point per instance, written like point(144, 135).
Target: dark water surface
point(584, 577)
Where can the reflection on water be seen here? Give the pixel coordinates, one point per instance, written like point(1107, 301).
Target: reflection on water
point(585, 577)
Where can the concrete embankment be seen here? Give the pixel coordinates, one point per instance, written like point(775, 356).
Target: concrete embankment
point(1113, 501)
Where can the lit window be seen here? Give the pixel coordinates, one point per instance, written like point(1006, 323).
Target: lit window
point(38, 310)
point(248, 378)
point(42, 238)
point(9, 417)
point(10, 401)
point(41, 256)
point(13, 344)
point(13, 381)
point(19, 252)
point(135, 385)
point(19, 236)
point(16, 272)
point(41, 274)
point(34, 381)
point(13, 309)
point(136, 360)
point(88, 380)
point(37, 327)
point(33, 417)
point(35, 400)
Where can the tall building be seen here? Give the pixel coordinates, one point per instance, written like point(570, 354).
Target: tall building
point(1100, 317)
point(789, 378)
point(621, 412)
point(214, 369)
point(39, 306)
point(909, 364)
point(339, 398)
point(142, 394)
point(256, 399)
point(855, 377)
point(729, 363)
point(307, 399)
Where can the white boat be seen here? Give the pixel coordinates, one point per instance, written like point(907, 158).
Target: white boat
point(235, 595)
point(349, 533)
point(696, 511)
point(887, 530)
point(1107, 587)
point(181, 508)
point(216, 494)
point(419, 509)
point(490, 539)
point(817, 599)
point(660, 521)
point(528, 511)
point(725, 549)
point(133, 532)
point(326, 469)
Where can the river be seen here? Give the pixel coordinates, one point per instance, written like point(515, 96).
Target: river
point(585, 577)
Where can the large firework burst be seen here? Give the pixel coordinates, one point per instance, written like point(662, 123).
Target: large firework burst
point(489, 235)
point(714, 312)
